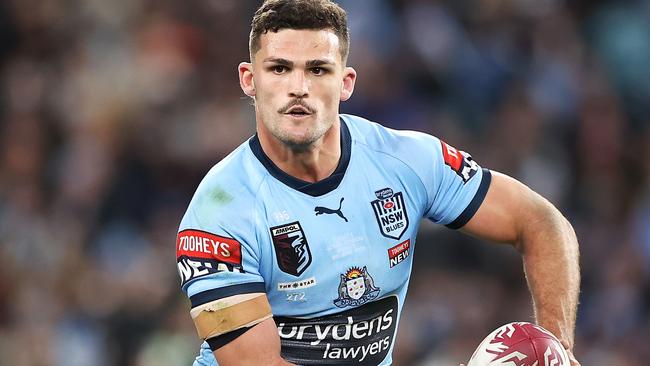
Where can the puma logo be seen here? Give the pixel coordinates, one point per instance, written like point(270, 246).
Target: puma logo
point(324, 210)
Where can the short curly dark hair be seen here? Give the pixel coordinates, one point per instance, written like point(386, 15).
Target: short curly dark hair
point(275, 15)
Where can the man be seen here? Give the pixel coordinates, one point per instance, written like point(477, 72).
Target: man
point(295, 249)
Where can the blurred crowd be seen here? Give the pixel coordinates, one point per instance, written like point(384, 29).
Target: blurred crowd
point(112, 111)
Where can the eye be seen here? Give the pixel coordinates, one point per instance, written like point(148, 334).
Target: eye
point(318, 71)
point(279, 69)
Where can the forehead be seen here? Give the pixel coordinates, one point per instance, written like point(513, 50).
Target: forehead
point(300, 44)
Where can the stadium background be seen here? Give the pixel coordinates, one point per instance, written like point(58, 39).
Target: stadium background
point(112, 111)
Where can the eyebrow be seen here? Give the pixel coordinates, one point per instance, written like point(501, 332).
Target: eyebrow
point(309, 63)
point(315, 63)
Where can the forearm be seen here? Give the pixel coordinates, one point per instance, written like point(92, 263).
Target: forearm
point(512, 213)
point(550, 254)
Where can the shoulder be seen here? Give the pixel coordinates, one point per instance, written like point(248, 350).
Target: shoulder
point(238, 174)
point(410, 147)
point(227, 192)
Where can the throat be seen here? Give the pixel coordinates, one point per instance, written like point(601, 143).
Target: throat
point(310, 168)
point(311, 163)
point(298, 172)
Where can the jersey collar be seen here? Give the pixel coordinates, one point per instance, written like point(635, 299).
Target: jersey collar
point(313, 189)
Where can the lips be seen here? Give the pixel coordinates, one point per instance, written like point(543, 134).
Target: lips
point(297, 108)
point(297, 111)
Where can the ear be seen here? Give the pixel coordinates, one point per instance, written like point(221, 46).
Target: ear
point(349, 78)
point(246, 81)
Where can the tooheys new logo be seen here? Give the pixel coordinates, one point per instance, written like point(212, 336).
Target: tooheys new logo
point(360, 336)
point(199, 253)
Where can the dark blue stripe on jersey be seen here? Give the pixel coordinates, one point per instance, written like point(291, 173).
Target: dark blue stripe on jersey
point(219, 293)
point(313, 189)
point(473, 206)
point(221, 340)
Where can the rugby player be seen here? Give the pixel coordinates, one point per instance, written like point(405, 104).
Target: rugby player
point(296, 247)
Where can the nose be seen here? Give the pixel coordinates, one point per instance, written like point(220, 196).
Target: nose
point(299, 87)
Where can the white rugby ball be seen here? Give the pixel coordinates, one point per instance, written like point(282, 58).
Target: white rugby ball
point(520, 344)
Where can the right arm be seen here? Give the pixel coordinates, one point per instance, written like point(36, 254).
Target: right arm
point(229, 306)
point(260, 345)
point(219, 262)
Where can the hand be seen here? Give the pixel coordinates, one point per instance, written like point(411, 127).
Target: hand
point(572, 358)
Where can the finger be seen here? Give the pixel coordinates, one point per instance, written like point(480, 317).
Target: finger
point(566, 345)
point(572, 358)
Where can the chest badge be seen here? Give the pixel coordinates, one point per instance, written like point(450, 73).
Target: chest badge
point(291, 248)
point(356, 288)
point(390, 213)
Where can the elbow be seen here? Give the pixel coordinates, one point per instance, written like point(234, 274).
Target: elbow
point(570, 233)
point(568, 226)
point(544, 223)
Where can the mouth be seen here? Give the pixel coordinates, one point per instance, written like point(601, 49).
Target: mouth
point(297, 111)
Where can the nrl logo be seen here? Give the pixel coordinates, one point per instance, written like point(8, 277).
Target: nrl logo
point(356, 288)
point(390, 213)
point(291, 248)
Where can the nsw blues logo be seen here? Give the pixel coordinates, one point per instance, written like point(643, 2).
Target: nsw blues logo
point(291, 248)
point(356, 288)
point(390, 213)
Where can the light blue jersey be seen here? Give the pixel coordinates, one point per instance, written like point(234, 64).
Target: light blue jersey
point(333, 257)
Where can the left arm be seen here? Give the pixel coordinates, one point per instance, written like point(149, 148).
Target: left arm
point(512, 213)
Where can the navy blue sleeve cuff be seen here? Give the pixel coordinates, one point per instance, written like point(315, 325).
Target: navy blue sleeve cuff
point(220, 341)
point(221, 292)
point(476, 202)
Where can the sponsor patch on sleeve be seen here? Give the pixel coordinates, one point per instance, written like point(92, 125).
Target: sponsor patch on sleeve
point(199, 253)
point(459, 161)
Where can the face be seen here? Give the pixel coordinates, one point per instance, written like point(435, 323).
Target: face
point(297, 79)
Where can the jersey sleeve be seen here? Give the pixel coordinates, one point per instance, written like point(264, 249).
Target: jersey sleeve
point(218, 262)
point(455, 184)
point(209, 258)
point(460, 186)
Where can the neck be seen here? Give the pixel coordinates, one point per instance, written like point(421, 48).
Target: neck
point(312, 163)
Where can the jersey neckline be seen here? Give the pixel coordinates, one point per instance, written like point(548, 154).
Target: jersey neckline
point(313, 189)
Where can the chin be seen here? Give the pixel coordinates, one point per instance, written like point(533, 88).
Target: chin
point(296, 139)
point(299, 142)
point(297, 134)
